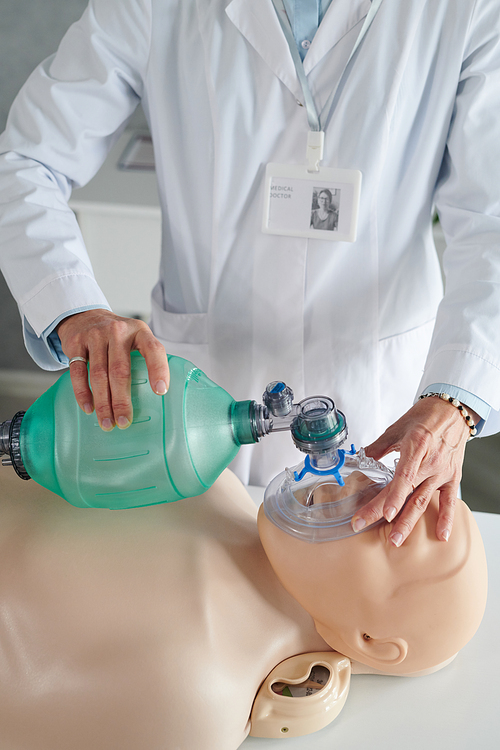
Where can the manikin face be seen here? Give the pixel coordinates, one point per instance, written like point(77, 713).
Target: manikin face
point(398, 610)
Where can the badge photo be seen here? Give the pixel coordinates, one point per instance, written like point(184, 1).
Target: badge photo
point(318, 205)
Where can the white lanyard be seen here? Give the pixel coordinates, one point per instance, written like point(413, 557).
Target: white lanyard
point(318, 122)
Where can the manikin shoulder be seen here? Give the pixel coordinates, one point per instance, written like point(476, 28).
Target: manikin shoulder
point(149, 628)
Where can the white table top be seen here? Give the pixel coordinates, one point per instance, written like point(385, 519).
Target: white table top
point(458, 707)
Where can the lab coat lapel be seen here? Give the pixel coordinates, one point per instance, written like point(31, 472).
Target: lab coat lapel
point(257, 21)
point(339, 19)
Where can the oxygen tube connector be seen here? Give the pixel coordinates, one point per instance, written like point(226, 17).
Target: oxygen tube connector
point(252, 421)
point(10, 445)
point(278, 399)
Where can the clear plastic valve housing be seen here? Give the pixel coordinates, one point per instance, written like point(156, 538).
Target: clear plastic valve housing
point(278, 398)
point(318, 426)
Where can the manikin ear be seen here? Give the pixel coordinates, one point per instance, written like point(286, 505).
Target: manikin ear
point(380, 653)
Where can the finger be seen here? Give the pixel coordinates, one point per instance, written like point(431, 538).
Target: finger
point(156, 360)
point(391, 499)
point(416, 505)
point(120, 382)
point(80, 382)
point(387, 503)
point(99, 382)
point(369, 513)
point(409, 472)
point(385, 444)
point(447, 504)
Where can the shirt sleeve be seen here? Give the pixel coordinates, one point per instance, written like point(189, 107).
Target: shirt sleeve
point(465, 349)
point(60, 129)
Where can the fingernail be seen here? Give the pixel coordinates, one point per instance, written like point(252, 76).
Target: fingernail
point(160, 388)
point(107, 425)
point(446, 535)
point(390, 513)
point(359, 524)
point(123, 423)
point(396, 539)
point(88, 408)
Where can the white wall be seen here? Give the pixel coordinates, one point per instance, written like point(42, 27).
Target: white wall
point(30, 30)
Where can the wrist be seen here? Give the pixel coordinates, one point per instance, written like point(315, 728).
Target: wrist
point(80, 313)
point(470, 417)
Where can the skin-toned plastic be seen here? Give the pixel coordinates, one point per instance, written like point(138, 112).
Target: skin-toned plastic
point(157, 627)
point(280, 714)
point(384, 602)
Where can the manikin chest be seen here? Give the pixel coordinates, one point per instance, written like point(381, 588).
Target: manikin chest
point(131, 629)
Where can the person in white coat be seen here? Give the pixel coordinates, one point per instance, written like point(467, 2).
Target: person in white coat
point(414, 109)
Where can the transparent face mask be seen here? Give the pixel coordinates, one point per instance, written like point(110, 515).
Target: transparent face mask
point(316, 500)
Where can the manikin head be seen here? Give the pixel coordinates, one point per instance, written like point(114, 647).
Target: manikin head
point(398, 610)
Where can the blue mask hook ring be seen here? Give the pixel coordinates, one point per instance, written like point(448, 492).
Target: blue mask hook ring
point(308, 468)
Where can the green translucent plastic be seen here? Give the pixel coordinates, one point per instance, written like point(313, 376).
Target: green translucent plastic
point(176, 446)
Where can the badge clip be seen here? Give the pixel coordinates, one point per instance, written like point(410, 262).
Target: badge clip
point(314, 153)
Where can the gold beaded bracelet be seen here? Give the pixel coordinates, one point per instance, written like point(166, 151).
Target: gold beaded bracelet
point(461, 408)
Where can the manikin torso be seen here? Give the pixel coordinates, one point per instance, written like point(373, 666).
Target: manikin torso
point(137, 629)
point(155, 628)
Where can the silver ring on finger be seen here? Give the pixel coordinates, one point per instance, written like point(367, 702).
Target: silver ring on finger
point(77, 359)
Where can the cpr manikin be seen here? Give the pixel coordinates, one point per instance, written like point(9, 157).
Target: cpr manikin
point(158, 627)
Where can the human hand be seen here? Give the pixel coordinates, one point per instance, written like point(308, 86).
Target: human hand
point(106, 340)
point(431, 440)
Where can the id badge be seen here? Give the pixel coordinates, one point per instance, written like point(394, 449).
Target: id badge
point(319, 205)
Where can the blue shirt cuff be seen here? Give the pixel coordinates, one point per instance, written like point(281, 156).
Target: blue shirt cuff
point(51, 337)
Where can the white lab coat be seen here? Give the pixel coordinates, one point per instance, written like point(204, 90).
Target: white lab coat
point(417, 113)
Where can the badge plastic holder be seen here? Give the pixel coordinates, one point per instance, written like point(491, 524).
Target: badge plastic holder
point(291, 199)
